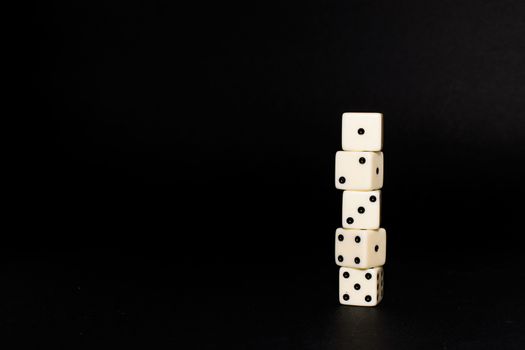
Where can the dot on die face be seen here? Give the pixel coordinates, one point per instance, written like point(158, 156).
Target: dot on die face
point(362, 132)
point(360, 171)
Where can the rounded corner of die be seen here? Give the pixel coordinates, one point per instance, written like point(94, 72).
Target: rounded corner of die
point(339, 183)
point(377, 192)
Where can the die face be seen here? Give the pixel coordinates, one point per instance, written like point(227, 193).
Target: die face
point(361, 209)
point(358, 170)
point(360, 248)
point(350, 248)
point(360, 287)
point(376, 249)
point(362, 132)
point(378, 171)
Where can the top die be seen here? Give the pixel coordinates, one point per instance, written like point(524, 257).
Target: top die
point(362, 132)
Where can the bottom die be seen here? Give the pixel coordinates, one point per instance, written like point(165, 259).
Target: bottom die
point(361, 287)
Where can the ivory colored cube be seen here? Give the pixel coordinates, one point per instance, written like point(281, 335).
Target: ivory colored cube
point(361, 287)
point(362, 132)
point(362, 171)
point(361, 249)
point(362, 209)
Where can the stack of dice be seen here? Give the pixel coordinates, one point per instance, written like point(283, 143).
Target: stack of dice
point(360, 245)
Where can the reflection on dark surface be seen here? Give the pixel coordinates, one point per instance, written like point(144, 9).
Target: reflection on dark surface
point(358, 328)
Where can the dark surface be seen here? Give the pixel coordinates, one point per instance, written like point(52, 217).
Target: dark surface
point(172, 173)
point(130, 303)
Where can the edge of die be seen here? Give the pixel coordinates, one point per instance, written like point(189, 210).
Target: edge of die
point(338, 186)
point(381, 160)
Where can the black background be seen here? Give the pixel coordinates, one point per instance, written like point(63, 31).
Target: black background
point(173, 173)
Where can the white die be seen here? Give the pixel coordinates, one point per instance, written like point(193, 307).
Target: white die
point(362, 132)
point(361, 287)
point(361, 171)
point(362, 209)
point(360, 249)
